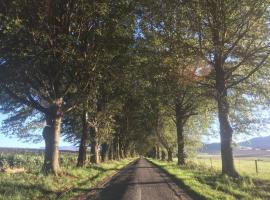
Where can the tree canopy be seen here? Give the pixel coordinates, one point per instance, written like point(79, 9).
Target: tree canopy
point(133, 77)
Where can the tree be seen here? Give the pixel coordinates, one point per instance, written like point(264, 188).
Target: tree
point(38, 53)
point(49, 48)
point(166, 132)
point(233, 41)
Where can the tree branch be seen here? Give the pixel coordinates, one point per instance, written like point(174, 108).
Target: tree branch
point(31, 102)
point(250, 73)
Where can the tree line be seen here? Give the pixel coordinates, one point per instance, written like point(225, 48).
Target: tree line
point(130, 77)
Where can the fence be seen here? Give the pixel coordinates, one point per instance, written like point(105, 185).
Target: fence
point(245, 166)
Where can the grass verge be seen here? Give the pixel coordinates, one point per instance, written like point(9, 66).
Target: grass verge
point(34, 185)
point(209, 184)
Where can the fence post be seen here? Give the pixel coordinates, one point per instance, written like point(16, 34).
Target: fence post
point(256, 165)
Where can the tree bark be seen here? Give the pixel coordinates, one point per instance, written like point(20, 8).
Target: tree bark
point(180, 135)
point(133, 153)
point(127, 151)
point(117, 149)
point(170, 156)
point(83, 144)
point(226, 130)
point(48, 137)
point(94, 158)
point(158, 153)
point(163, 155)
point(121, 153)
point(104, 152)
point(111, 152)
point(51, 135)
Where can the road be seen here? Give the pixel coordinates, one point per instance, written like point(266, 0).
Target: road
point(141, 181)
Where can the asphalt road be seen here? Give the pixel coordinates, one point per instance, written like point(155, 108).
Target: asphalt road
point(141, 181)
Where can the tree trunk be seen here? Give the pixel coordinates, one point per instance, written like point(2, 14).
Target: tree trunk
point(157, 153)
point(94, 158)
point(56, 140)
point(111, 152)
point(180, 134)
point(51, 135)
point(170, 156)
point(126, 150)
point(83, 144)
point(120, 142)
point(226, 130)
point(48, 137)
point(117, 149)
point(104, 152)
point(133, 153)
point(163, 155)
point(126, 153)
point(121, 153)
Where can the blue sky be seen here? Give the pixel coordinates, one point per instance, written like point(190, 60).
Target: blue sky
point(6, 141)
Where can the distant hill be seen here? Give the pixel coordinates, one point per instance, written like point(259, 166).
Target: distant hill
point(258, 142)
point(66, 148)
point(262, 143)
point(211, 148)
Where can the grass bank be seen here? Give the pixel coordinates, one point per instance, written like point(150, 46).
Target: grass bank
point(209, 184)
point(34, 185)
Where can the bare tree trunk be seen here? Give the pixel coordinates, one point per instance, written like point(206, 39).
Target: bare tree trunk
point(51, 135)
point(83, 144)
point(94, 158)
point(226, 130)
point(180, 135)
point(170, 156)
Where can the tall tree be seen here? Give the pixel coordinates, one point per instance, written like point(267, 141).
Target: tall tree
point(38, 53)
point(46, 47)
point(233, 41)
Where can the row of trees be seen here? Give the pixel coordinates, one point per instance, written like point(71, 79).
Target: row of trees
point(129, 77)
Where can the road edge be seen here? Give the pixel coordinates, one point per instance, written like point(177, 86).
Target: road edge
point(179, 182)
point(102, 184)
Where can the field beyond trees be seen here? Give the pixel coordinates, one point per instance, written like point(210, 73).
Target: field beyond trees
point(246, 166)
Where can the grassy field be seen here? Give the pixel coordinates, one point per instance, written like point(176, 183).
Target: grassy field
point(32, 184)
point(246, 166)
point(209, 184)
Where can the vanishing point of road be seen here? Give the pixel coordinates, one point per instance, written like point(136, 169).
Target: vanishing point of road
point(141, 180)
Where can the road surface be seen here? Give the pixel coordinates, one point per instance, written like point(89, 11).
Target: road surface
point(141, 181)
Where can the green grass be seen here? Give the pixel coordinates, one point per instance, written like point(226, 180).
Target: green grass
point(34, 185)
point(209, 184)
point(244, 165)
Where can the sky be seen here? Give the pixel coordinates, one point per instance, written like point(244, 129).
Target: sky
point(15, 142)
